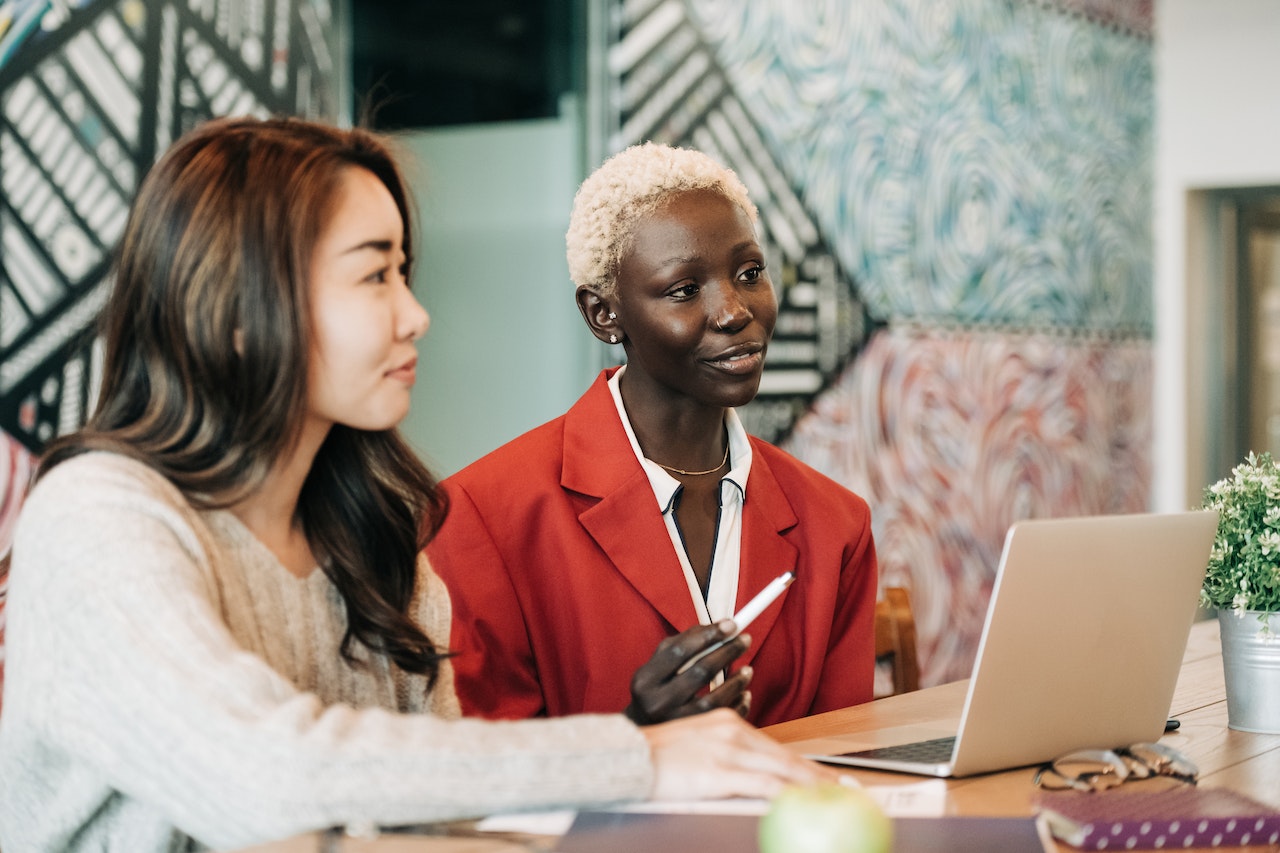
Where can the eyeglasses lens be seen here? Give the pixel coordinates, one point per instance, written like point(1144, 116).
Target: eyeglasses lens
point(1161, 760)
point(1100, 769)
point(1087, 770)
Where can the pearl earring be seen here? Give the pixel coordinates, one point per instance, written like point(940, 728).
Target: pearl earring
point(613, 339)
point(612, 316)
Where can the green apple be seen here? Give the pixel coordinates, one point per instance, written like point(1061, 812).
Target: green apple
point(825, 818)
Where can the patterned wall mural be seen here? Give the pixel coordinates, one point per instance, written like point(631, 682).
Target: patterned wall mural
point(959, 192)
point(90, 93)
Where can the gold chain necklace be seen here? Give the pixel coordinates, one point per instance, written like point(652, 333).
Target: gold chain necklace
point(699, 473)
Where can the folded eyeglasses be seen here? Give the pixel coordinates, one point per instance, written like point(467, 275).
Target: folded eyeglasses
point(1100, 769)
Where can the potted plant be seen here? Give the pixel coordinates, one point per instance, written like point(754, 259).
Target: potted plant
point(1242, 582)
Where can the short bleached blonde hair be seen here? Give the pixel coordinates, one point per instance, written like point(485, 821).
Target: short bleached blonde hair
point(626, 188)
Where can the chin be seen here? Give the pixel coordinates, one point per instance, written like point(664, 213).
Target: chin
point(380, 422)
point(738, 397)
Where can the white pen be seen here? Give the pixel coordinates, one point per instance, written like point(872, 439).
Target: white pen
point(763, 599)
point(746, 615)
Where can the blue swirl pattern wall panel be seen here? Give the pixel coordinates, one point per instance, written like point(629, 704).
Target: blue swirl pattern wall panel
point(954, 436)
point(971, 161)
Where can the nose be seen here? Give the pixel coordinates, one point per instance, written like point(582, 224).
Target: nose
point(729, 311)
point(414, 319)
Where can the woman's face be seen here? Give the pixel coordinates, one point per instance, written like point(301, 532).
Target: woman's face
point(364, 318)
point(695, 303)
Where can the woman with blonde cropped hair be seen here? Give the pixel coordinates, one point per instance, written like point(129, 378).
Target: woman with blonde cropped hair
point(593, 558)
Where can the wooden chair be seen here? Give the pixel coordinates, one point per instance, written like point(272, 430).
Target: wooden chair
point(896, 638)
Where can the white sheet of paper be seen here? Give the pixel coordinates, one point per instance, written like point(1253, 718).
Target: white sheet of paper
point(920, 799)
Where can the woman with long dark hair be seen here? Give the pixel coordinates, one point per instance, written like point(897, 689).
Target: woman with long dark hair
point(221, 630)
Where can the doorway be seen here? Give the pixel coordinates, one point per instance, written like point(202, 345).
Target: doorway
point(1233, 330)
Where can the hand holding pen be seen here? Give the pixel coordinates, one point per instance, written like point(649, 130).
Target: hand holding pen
point(669, 684)
point(665, 689)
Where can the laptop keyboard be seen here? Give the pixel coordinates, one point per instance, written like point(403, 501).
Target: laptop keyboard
point(936, 751)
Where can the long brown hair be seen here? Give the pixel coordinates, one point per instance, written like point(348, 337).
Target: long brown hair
point(207, 340)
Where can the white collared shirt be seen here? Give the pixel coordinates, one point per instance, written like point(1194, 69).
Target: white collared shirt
point(722, 592)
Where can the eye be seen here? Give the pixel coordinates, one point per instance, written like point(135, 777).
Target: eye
point(752, 273)
point(685, 291)
point(378, 276)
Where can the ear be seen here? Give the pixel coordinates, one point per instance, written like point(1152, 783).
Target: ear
point(601, 318)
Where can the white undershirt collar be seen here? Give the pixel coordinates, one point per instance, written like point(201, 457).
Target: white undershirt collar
point(723, 590)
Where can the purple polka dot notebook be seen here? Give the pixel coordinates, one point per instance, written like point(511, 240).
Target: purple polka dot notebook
point(1175, 818)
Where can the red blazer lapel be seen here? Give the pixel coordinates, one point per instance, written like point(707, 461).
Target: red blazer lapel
point(640, 549)
point(626, 523)
point(766, 553)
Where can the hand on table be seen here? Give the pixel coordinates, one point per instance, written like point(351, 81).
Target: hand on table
point(718, 755)
point(660, 691)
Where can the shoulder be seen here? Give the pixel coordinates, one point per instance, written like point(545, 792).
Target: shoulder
point(584, 451)
point(801, 483)
point(537, 449)
point(537, 456)
point(101, 528)
point(547, 441)
point(101, 477)
point(99, 502)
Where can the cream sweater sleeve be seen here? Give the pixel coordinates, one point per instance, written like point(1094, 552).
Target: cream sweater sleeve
point(131, 717)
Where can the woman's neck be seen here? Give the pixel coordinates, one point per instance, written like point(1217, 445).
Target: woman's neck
point(681, 434)
point(270, 512)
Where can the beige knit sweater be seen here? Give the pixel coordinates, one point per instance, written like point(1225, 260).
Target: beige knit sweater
point(171, 686)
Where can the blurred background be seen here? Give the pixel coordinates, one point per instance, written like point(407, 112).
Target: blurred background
point(1027, 251)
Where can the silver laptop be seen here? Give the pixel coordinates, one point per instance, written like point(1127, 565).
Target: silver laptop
point(1081, 648)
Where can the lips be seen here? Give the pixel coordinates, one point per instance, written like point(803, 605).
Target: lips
point(406, 372)
point(739, 359)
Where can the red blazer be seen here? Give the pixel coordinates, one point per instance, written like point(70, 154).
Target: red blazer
point(564, 580)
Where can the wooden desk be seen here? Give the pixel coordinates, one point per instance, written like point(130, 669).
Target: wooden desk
point(1245, 762)
point(1248, 763)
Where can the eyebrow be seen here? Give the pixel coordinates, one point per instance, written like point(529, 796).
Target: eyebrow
point(383, 246)
point(745, 244)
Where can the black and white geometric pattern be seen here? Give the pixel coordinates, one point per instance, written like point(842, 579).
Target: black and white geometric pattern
point(665, 86)
point(88, 99)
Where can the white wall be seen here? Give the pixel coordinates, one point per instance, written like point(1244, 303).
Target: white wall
point(506, 349)
point(1217, 125)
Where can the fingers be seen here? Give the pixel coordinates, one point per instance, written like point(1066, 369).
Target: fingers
point(718, 755)
point(703, 666)
point(667, 686)
point(674, 652)
point(683, 649)
point(674, 702)
point(731, 694)
point(755, 751)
